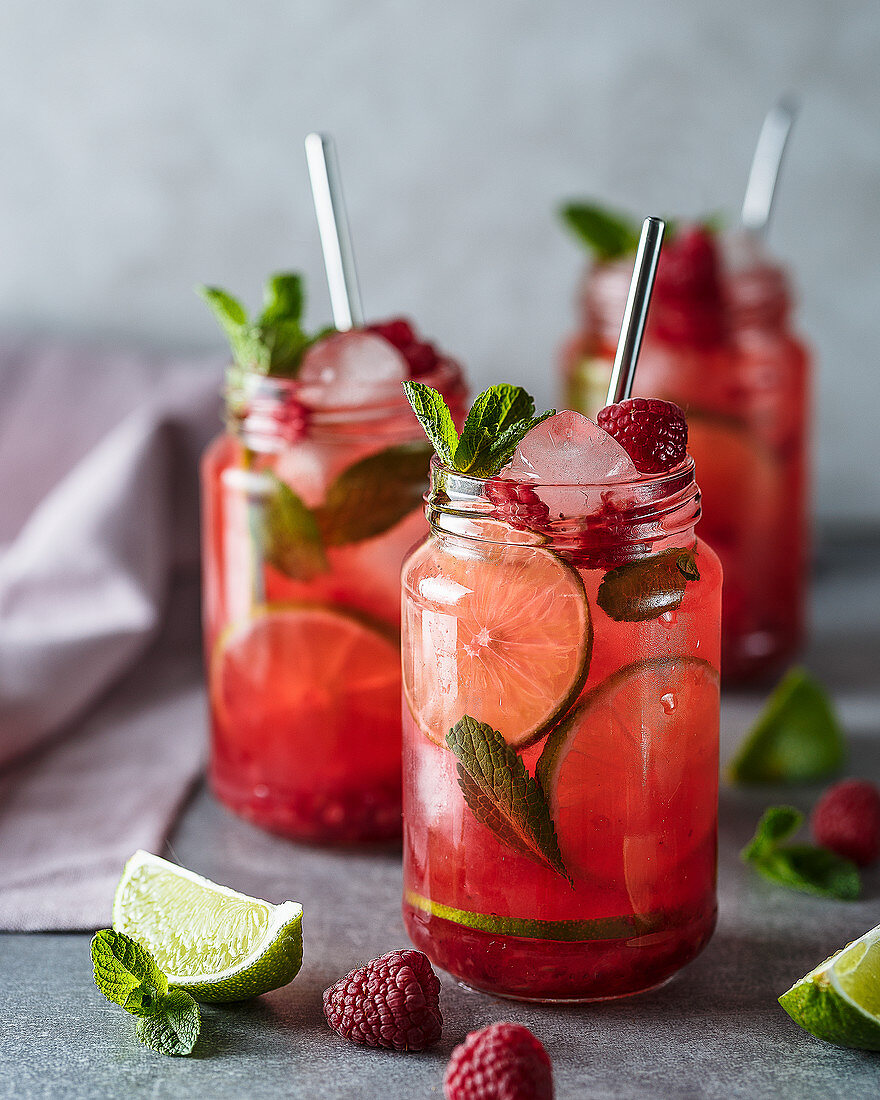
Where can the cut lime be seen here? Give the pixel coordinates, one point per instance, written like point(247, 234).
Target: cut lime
point(839, 1001)
point(503, 634)
point(796, 739)
point(216, 944)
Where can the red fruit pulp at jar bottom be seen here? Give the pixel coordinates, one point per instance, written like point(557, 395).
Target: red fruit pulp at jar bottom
point(421, 355)
point(501, 1060)
point(846, 819)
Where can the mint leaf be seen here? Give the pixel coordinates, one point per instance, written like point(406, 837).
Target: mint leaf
point(645, 589)
point(374, 494)
point(796, 739)
point(174, 1026)
point(502, 795)
point(501, 449)
point(498, 420)
point(435, 417)
point(283, 299)
point(126, 973)
point(291, 537)
point(228, 310)
point(798, 866)
point(607, 235)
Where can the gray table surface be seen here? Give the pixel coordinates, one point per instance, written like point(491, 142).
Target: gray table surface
point(714, 1031)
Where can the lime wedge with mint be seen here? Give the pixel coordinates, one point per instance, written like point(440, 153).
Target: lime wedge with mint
point(216, 944)
point(796, 739)
point(839, 1001)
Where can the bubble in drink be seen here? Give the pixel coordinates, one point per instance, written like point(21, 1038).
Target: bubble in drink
point(348, 368)
point(569, 449)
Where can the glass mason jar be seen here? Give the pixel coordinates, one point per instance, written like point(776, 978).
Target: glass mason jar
point(742, 377)
point(561, 734)
point(308, 510)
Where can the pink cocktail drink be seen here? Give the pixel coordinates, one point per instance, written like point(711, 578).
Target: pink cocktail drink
point(719, 343)
point(561, 654)
point(311, 499)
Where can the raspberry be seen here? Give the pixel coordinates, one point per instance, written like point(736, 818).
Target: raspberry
point(846, 819)
point(653, 433)
point(500, 1062)
point(421, 356)
point(391, 1002)
point(688, 301)
point(517, 504)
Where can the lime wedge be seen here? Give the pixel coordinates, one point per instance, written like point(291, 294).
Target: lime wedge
point(839, 1001)
point(216, 944)
point(796, 739)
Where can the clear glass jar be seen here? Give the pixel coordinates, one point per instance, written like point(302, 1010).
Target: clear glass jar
point(308, 511)
point(560, 673)
point(742, 377)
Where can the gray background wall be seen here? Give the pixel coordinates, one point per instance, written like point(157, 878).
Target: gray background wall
point(147, 146)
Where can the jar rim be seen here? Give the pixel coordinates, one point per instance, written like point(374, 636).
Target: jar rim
point(685, 471)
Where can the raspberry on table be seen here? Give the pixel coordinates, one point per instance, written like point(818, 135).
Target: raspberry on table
point(846, 819)
point(391, 1002)
point(501, 1062)
point(653, 433)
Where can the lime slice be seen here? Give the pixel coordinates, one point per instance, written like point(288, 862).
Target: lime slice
point(292, 674)
point(216, 944)
point(635, 759)
point(840, 1000)
point(502, 633)
point(796, 739)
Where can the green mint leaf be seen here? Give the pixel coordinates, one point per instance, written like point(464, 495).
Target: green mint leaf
point(607, 235)
point(126, 973)
point(645, 589)
point(777, 824)
point(291, 536)
point(796, 739)
point(174, 1027)
point(435, 417)
point(501, 449)
point(811, 870)
point(228, 310)
point(283, 299)
point(495, 410)
point(502, 795)
point(285, 343)
point(374, 494)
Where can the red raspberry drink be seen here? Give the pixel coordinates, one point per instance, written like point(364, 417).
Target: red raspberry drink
point(560, 653)
point(311, 499)
point(719, 344)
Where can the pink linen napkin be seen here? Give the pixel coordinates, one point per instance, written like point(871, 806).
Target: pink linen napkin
point(98, 512)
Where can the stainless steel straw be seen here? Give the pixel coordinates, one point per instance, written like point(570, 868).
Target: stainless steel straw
point(636, 313)
point(345, 295)
point(766, 163)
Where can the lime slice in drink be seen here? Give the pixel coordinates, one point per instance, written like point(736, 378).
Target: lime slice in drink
point(637, 755)
point(796, 739)
point(216, 944)
point(293, 678)
point(503, 634)
point(840, 1000)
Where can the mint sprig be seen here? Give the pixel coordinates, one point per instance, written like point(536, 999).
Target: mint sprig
point(272, 343)
point(291, 536)
point(502, 795)
point(606, 234)
point(499, 419)
point(798, 866)
point(168, 1019)
point(645, 589)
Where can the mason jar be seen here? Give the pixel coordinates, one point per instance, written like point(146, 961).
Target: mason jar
point(561, 704)
point(309, 506)
point(741, 374)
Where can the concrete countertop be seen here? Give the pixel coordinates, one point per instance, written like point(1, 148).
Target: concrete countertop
point(715, 1031)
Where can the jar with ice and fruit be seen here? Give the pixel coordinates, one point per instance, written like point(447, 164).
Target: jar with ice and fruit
point(719, 342)
point(561, 635)
point(311, 498)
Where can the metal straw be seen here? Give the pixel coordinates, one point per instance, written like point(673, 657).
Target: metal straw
point(766, 163)
point(345, 295)
point(636, 313)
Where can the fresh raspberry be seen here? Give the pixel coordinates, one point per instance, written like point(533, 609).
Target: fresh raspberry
point(846, 819)
point(517, 504)
point(603, 539)
point(653, 433)
point(688, 302)
point(421, 355)
point(391, 1002)
point(500, 1062)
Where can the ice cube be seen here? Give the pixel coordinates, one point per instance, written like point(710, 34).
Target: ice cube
point(350, 368)
point(569, 449)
